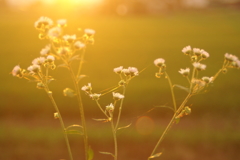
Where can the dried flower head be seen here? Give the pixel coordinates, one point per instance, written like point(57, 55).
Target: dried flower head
point(118, 70)
point(43, 22)
point(54, 32)
point(34, 68)
point(187, 50)
point(87, 88)
point(46, 50)
point(110, 108)
point(17, 71)
point(69, 38)
point(160, 62)
point(199, 66)
point(89, 32)
point(79, 45)
point(207, 79)
point(204, 54)
point(62, 22)
point(117, 96)
point(38, 61)
point(184, 72)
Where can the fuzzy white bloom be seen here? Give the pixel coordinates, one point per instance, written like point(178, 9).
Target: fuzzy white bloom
point(38, 61)
point(197, 51)
point(184, 72)
point(54, 32)
point(95, 96)
point(160, 62)
point(43, 21)
point(117, 96)
point(50, 58)
point(199, 66)
point(62, 22)
point(89, 32)
point(46, 50)
point(237, 63)
point(16, 71)
point(110, 108)
point(34, 68)
point(79, 45)
point(69, 38)
point(230, 57)
point(87, 88)
point(207, 79)
point(118, 70)
point(126, 72)
point(204, 53)
point(187, 50)
point(133, 71)
point(63, 51)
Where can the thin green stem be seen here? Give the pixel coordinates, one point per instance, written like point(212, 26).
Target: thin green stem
point(169, 125)
point(82, 115)
point(81, 63)
point(172, 92)
point(120, 109)
point(115, 140)
point(61, 122)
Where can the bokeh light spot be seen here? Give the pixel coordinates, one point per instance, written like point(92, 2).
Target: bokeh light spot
point(145, 125)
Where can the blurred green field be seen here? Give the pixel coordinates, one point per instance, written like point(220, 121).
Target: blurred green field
point(26, 114)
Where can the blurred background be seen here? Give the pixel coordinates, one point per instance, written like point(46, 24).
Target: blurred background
point(128, 33)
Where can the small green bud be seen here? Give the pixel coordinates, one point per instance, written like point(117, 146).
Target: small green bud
point(121, 83)
point(187, 110)
point(69, 92)
point(56, 115)
point(40, 85)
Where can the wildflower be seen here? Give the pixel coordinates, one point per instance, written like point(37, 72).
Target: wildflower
point(54, 32)
point(199, 66)
point(207, 79)
point(50, 58)
point(204, 54)
point(237, 63)
point(17, 71)
point(184, 72)
point(187, 50)
point(197, 51)
point(230, 57)
point(69, 92)
point(160, 62)
point(79, 45)
point(95, 96)
point(62, 22)
point(69, 38)
point(118, 70)
point(87, 88)
point(63, 51)
point(89, 32)
point(45, 51)
point(117, 96)
point(198, 85)
point(126, 72)
point(34, 68)
point(38, 61)
point(133, 71)
point(43, 22)
point(110, 108)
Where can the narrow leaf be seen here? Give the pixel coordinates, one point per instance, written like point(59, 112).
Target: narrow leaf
point(181, 87)
point(90, 153)
point(81, 77)
point(156, 155)
point(100, 119)
point(74, 126)
point(62, 65)
point(163, 106)
point(107, 153)
point(76, 57)
point(124, 126)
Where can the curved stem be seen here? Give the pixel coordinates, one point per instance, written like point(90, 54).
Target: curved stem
point(61, 122)
point(75, 82)
point(120, 109)
point(169, 125)
point(172, 92)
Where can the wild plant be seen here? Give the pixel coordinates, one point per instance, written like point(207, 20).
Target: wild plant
point(196, 84)
point(71, 48)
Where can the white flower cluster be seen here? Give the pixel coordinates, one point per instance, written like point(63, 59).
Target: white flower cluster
point(130, 71)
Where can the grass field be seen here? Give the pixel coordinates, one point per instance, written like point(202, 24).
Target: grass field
point(28, 130)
